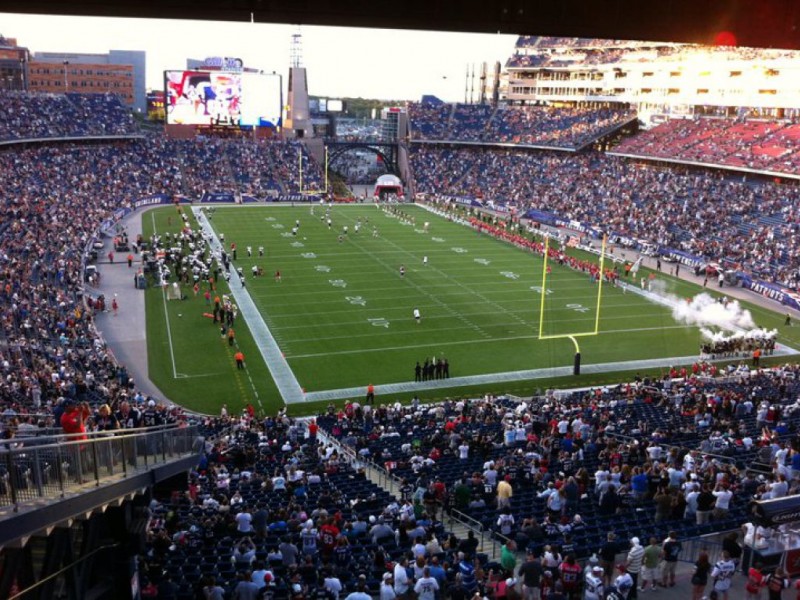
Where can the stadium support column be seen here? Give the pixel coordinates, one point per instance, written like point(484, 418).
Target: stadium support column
point(298, 120)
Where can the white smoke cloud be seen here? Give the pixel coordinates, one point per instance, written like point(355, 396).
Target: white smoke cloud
point(704, 311)
point(753, 334)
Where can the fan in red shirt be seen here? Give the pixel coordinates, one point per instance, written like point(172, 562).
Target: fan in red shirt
point(570, 575)
point(73, 421)
point(327, 537)
point(313, 428)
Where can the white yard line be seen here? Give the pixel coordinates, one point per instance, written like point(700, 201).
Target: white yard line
point(282, 374)
point(166, 316)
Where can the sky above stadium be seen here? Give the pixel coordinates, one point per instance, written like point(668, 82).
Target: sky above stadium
point(369, 63)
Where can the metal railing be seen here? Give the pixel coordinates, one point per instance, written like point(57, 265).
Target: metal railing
point(390, 482)
point(483, 535)
point(33, 469)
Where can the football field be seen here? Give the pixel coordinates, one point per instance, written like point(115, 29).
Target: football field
point(342, 313)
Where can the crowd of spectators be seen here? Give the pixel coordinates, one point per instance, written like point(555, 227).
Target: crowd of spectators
point(589, 474)
point(53, 200)
point(26, 115)
point(273, 512)
point(537, 125)
point(763, 145)
point(563, 127)
point(750, 225)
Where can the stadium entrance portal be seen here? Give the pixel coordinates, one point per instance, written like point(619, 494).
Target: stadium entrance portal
point(386, 152)
point(388, 185)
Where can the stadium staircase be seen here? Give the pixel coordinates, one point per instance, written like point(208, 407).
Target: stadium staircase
point(73, 511)
point(606, 133)
point(450, 118)
point(272, 172)
point(456, 522)
point(488, 126)
point(184, 179)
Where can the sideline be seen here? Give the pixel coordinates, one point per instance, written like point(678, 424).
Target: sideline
point(515, 376)
point(285, 380)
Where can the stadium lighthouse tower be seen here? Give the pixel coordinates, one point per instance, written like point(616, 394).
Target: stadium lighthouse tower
point(298, 114)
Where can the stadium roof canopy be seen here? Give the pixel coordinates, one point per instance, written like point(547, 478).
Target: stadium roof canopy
point(760, 23)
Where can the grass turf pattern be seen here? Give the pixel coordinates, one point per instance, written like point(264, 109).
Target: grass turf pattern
point(342, 312)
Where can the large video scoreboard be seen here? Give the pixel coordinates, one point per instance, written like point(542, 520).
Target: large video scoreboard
point(222, 98)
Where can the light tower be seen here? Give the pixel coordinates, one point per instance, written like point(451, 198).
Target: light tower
point(298, 117)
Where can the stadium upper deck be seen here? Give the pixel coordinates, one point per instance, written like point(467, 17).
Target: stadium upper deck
point(659, 79)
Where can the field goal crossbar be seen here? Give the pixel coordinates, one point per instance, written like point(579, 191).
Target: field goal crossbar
point(571, 336)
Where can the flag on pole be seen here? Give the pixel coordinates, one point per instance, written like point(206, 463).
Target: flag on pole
point(635, 266)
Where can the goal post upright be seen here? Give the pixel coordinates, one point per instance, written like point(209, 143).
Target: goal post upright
point(572, 336)
point(600, 284)
point(544, 286)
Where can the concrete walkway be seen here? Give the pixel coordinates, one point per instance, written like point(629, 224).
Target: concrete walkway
point(125, 333)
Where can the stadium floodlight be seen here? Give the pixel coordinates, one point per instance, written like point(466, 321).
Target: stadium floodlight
point(571, 336)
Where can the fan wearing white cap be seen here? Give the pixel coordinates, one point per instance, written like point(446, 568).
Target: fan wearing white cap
point(593, 584)
point(387, 588)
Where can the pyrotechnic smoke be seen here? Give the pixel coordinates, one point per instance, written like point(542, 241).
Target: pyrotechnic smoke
point(703, 310)
point(754, 334)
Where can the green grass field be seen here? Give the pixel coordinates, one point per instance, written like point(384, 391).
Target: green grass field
point(342, 314)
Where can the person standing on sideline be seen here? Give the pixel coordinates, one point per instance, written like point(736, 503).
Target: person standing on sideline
point(755, 581)
point(239, 358)
point(702, 568)
point(671, 549)
point(776, 583)
point(114, 305)
point(634, 565)
point(652, 556)
point(130, 260)
point(371, 399)
point(788, 321)
point(593, 588)
point(722, 573)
